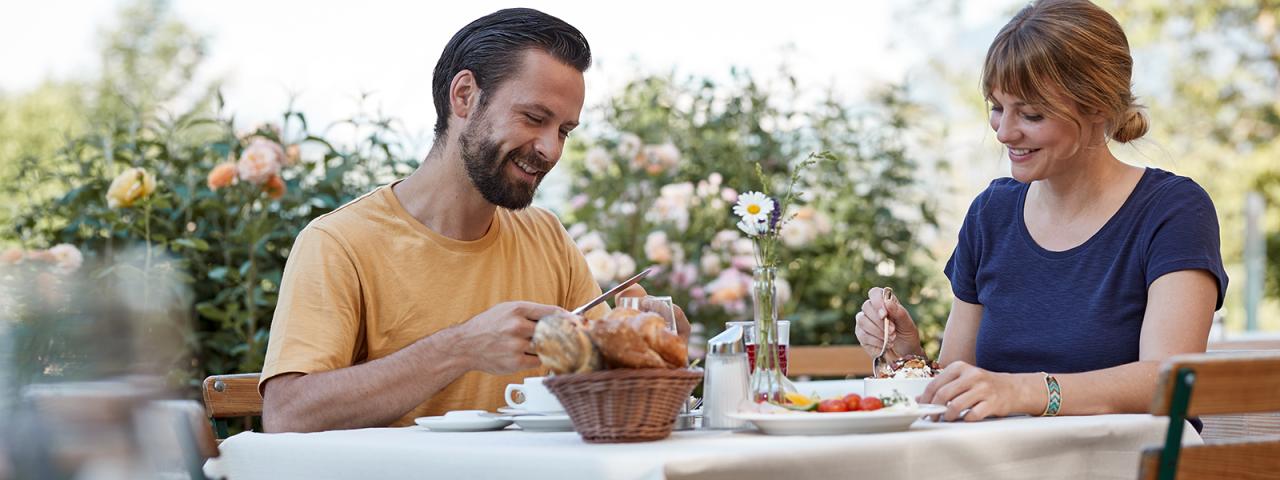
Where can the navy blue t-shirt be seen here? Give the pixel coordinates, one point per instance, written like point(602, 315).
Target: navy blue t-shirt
point(1081, 309)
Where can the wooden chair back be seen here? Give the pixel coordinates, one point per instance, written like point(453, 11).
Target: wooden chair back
point(1214, 384)
point(1241, 425)
point(828, 361)
point(231, 396)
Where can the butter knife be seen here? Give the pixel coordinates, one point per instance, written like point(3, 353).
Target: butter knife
point(613, 291)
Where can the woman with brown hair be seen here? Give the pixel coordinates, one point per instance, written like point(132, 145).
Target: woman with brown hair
point(1074, 278)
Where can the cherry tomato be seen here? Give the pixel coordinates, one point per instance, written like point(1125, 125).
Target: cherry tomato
point(871, 403)
point(833, 405)
point(852, 401)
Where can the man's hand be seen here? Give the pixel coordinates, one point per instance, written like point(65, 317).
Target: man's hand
point(497, 340)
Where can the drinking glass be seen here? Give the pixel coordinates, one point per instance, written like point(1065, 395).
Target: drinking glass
point(661, 305)
point(749, 335)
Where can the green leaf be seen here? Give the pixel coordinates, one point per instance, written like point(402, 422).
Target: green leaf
point(210, 311)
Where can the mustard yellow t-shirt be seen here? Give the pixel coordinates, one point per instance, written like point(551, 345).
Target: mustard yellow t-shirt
point(368, 279)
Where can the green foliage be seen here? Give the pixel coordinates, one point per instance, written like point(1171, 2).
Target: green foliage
point(1220, 115)
point(231, 243)
point(658, 184)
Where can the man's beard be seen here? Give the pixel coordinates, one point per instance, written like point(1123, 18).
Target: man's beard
point(487, 169)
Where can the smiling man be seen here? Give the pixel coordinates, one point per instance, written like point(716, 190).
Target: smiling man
point(421, 296)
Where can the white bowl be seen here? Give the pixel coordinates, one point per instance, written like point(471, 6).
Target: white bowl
point(884, 387)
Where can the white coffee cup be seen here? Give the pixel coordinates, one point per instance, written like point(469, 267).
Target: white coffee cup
point(536, 397)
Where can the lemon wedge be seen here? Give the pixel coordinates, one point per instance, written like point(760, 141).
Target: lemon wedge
point(796, 401)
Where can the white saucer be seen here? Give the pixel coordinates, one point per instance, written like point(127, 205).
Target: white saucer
point(521, 411)
point(463, 421)
point(544, 423)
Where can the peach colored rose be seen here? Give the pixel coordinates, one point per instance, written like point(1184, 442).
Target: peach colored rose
point(661, 158)
point(657, 248)
point(41, 256)
point(260, 161)
point(222, 175)
point(11, 256)
point(729, 287)
point(275, 187)
point(129, 187)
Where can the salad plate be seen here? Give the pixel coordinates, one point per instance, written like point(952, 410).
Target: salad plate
point(888, 419)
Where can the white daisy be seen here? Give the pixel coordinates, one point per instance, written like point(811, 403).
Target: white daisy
point(752, 228)
point(753, 207)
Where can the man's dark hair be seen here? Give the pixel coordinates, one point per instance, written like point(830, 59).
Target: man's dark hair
point(492, 47)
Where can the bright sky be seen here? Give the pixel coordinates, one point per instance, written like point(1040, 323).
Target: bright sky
point(329, 52)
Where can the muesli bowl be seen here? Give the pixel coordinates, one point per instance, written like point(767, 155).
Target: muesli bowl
point(908, 376)
point(887, 387)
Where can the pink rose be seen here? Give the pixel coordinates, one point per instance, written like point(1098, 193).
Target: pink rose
point(66, 257)
point(260, 161)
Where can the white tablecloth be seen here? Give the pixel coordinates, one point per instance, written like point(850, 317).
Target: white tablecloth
point(1105, 446)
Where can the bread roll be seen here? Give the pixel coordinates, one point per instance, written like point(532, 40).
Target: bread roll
point(561, 342)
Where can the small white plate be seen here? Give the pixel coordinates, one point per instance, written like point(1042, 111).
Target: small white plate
point(891, 419)
point(520, 411)
point(544, 423)
point(463, 421)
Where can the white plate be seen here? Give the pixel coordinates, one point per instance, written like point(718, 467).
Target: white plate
point(891, 419)
point(463, 421)
point(544, 423)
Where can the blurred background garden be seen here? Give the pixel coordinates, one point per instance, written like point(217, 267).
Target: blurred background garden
point(168, 153)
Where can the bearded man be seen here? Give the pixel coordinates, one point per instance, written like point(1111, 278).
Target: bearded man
point(421, 296)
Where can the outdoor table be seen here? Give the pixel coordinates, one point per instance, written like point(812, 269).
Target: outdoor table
point(1101, 446)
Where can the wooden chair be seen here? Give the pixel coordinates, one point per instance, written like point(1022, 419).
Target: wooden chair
point(1212, 384)
point(829, 361)
point(1224, 427)
point(1245, 344)
point(231, 396)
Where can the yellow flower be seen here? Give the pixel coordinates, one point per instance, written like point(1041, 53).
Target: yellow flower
point(130, 186)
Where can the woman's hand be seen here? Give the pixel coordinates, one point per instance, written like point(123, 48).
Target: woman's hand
point(903, 338)
point(972, 394)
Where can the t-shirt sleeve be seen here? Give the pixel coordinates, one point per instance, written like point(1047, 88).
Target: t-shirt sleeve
point(962, 267)
point(317, 317)
point(1184, 235)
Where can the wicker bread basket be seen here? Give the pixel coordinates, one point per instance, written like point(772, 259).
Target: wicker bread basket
point(624, 405)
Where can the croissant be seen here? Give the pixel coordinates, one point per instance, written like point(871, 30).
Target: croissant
point(632, 339)
point(561, 342)
point(653, 329)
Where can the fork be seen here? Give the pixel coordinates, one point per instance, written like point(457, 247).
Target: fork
point(886, 294)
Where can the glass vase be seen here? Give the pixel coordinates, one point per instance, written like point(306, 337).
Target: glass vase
point(767, 381)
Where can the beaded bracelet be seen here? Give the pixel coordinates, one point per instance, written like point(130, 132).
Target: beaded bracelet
point(1055, 396)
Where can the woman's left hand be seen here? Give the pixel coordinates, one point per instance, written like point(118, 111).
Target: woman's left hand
point(972, 394)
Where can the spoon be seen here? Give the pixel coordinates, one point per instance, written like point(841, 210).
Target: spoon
point(886, 294)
